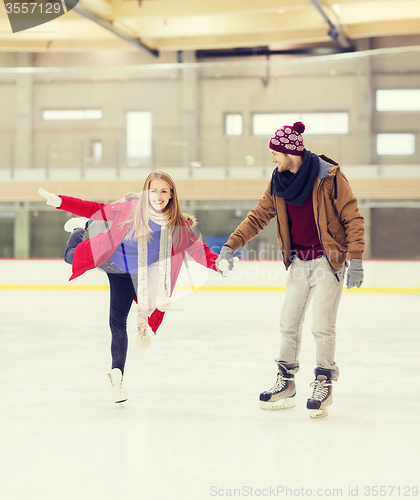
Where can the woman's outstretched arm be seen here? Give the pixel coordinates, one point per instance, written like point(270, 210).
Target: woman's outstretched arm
point(76, 206)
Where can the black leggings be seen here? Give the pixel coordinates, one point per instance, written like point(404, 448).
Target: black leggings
point(122, 292)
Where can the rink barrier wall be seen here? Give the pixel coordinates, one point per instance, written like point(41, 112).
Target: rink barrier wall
point(209, 189)
point(256, 276)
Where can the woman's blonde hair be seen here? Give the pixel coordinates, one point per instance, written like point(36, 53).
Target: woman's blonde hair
point(138, 218)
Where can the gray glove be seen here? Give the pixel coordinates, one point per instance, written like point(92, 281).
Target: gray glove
point(355, 274)
point(225, 260)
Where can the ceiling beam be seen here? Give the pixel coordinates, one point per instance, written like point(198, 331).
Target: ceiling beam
point(101, 7)
point(191, 8)
point(386, 10)
point(267, 52)
point(224, 25)
point(384, 28)
point(171, 25)
point(47, 46)
point(335, 32)
point(109, 25)
point(232, 41)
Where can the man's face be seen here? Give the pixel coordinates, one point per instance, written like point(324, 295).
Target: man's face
point(282, 161)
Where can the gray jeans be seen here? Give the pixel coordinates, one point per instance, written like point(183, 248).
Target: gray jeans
point(312, 279)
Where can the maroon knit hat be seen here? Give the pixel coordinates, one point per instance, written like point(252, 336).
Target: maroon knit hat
point(288, 140)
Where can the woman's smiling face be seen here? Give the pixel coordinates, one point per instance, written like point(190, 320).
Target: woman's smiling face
point(159, 194)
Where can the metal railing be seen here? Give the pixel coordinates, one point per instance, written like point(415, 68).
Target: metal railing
point(228, 157)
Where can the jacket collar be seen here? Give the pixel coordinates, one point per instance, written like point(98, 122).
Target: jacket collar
point(327, 167)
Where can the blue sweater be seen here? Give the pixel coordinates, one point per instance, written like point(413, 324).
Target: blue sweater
point(126, 255)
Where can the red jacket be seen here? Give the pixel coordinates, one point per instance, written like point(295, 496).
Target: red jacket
point(95, 251)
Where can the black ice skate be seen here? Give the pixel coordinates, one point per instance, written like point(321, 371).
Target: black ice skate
point(322, 394)
point(282, 395)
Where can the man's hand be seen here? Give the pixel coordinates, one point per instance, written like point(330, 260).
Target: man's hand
point(355, 274)
point(52, 199)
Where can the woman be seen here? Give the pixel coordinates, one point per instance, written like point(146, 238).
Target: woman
point(142, 254)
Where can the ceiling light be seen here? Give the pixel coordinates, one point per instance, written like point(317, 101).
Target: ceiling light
point(337, 9)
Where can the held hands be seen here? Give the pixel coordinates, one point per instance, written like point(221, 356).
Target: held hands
point(52, 199)
point(355, 274)
point(224, 262)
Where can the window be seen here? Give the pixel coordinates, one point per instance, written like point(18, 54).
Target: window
point(326, 123)
point(96, 150)
point(315, 123)
point(233, 124)
point(395, 144)
point(398, 100)
point(72, 114)
point(139, 134)
point(268, 123)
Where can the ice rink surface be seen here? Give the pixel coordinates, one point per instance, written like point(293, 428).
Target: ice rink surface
point(192, 427)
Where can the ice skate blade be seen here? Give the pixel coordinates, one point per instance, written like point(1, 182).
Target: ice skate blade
point(318, 413)
point(281, 404)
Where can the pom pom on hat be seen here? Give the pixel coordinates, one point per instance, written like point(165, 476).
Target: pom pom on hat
point(299, 127)
point(288, 140)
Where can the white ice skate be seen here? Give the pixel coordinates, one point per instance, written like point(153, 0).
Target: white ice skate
point(118, 391)
point(75, 223)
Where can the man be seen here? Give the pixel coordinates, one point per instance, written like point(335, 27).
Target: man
point(318, 225)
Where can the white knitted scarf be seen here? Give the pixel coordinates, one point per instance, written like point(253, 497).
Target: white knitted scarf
point(163, 300)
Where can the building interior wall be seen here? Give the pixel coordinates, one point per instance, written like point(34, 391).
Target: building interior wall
point(188, 108)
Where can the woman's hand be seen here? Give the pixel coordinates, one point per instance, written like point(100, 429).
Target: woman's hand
point(52, 199)
point(225, 261)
